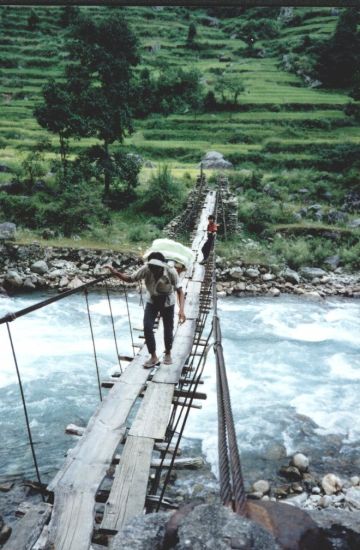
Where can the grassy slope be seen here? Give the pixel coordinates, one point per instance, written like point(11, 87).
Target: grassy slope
point(278, 118)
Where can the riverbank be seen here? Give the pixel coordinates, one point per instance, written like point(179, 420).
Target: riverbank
point(25, 268)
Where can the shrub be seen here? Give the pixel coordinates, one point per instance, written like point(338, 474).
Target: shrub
point(302, 251)
point(164, 196)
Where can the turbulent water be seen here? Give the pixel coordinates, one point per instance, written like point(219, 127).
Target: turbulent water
point(293, 367)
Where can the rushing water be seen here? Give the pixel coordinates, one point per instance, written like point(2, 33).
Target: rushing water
point(293, 367)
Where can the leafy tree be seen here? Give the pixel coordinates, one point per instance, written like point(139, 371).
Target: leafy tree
point(173, 90)
point(124, 170)
point(339, 58)
point(100, 76)
point(33, 20)
point(229, 88)
point(144, 97)
point(68, 15)
point(33, 166)
point(58, 115)
point(191, 35)
point(164, 196)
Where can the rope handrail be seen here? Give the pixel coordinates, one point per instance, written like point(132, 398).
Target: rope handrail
point(15, 315)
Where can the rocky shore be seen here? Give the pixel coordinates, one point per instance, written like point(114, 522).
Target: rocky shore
point(25, 268)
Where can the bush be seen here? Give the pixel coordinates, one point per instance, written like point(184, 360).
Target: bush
point(303, 251)
point(339, 158)
point(164, 196)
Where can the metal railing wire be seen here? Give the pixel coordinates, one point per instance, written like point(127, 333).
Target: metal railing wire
point(9, 317)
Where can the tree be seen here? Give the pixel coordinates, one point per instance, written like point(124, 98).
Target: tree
point(339, 58)
point(68, 15)
point(229, 88)
point(191, 35)
point(33, 21)
point(100, 77)
point(58, 115)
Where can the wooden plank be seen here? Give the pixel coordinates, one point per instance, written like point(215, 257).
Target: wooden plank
point(128, 492)
point(198, 273)
point(77, 482)
point(192, 299)
point(182, 346)
point(153, 415)
point(26, 531)
point(178, 463)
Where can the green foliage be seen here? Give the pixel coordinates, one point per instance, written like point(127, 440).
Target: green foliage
point(229, 88)
point(33, 20)
point(191, 35)
point(33, 166)
point(174, 90)
point(164, 197)
point(258, 215)
point(68, 15)
point(351, 256)
point(301, 251)
point(342, 157)
point(339, 58)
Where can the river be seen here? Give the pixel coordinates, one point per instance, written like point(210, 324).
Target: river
point(293, 367)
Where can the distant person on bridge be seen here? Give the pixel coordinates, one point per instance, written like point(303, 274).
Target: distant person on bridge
point(211, 229)
point(161, 282)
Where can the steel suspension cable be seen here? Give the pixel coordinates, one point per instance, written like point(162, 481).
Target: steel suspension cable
point(113, 327)
point(226, 494)
point(93, 341)
point(129, 319)
point(228, 443)
point(186, 405)
point(24, 406)
point(15, 315)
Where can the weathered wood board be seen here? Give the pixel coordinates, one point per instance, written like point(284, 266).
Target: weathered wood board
point(153, 415)
point(27, 530)
point(128, 493)
point(183, 343)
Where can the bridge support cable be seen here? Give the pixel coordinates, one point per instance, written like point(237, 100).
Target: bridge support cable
point(24, 407)
point(232, 489)
point(185, 407)
point(15, 315)
point(129, 318)
point(113, 327)
point(93, 342)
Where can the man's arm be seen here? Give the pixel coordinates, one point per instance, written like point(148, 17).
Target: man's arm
point(181, 301)
point(123, 276)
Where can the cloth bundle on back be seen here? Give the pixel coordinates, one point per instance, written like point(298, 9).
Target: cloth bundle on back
point(175, 253)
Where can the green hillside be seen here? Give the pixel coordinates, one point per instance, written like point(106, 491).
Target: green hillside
point(281, 134)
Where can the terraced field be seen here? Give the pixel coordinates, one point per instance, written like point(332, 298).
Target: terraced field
point(274, 105)
point(279, 126)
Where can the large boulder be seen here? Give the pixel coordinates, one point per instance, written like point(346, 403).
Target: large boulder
point(311, 273)
point(210, 526)
point(213, 159)
point(39, 267)
point(7, 231)
point(13, 279)
point(291, 276)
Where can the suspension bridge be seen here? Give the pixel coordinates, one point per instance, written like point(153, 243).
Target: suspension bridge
point(65, 520)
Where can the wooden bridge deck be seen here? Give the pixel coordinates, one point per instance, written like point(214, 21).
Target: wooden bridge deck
point(85, 467)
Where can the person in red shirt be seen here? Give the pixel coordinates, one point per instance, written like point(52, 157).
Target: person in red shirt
point(212, 228)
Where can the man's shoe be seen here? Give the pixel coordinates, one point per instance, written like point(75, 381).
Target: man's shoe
point(167, 359)
point(150, 363)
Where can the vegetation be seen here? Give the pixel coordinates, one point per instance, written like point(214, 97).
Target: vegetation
point(256, 84)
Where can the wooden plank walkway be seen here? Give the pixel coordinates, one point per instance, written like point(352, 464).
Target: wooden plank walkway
point(76, 484)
